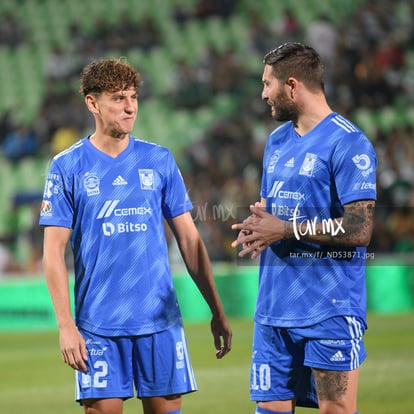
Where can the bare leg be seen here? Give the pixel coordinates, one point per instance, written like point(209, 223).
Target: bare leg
point(337, 391)
point(161, 405)
point(286, 406)
point(103, 406)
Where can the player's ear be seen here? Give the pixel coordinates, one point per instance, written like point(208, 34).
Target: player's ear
point(91, 103)
point(291, 82)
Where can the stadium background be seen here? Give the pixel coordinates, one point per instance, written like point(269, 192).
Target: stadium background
point(201, 62)
point(202, 71)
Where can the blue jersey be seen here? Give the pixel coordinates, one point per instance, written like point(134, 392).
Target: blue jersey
point(308, 180)
point(116, 209)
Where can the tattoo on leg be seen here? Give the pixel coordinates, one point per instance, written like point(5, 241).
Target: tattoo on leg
point(330, 385)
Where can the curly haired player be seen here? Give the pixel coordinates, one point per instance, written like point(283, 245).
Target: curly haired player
point(109, 194)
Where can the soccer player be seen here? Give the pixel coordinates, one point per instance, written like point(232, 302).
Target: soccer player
point(109, 195)
point(311, 230)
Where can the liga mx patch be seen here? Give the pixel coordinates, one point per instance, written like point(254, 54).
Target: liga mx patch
point(146, 178)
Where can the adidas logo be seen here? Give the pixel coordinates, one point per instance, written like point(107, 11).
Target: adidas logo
point(290, 163)
point(119, 181)
point(338, 356)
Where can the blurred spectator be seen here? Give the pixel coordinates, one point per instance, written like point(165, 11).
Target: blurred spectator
point(6, 124)
point(400, 229)
point(180, 14)
point(208, 8)
point(390, 58)
point(13, 32)
point(63, 138)
point(400, 154)
point(188, 91)
point(287, 27)
point(369, 88)
point(19, 143)
point(260, 33)
point(228, 71)
point(322, 35)
point(8, 263)
point(147, 34)
point(59, 65)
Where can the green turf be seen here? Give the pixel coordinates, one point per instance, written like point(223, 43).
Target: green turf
point(34, 380)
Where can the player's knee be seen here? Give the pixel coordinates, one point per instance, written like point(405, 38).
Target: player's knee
point(332, 407)
point(102, 406)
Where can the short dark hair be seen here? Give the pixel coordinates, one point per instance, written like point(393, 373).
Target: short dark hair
point(108, 75)
point(299, 61)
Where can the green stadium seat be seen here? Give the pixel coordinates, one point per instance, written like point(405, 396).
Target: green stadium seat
point(217, 33)
point(387, 118)
point(366, 120)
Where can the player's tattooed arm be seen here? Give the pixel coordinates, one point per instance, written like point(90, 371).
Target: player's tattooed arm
point(353, 229)
point(358, 222)
point(261, 229)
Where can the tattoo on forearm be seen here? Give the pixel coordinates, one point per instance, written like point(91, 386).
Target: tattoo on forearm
point(358, 220)
point(354, 228)
point(330, 385)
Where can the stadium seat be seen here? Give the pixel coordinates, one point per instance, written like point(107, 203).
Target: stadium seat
point(366, 120)
point(386, 118)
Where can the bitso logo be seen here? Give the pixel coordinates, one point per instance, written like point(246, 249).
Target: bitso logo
point(108, 229)
point(110, 210)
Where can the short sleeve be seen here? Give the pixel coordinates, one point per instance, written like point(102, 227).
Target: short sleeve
point(354, 166)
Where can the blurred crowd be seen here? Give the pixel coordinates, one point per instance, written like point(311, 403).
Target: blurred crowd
point(369, 64)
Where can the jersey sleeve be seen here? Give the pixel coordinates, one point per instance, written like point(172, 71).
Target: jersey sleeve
point(266, 161)
point(57, 205)
point(354, 166)
point(175, 196)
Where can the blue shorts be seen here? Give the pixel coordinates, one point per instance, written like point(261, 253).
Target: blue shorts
point(156, 365)
point(283, 357)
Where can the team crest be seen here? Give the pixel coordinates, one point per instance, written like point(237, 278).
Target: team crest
point(146, 178)
point(308, 164)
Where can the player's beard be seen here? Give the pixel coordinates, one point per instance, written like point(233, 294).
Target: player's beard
point(284, 109)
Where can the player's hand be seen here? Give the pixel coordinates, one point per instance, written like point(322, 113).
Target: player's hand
point(257, 232)
point(73, 348)
point(222, 334)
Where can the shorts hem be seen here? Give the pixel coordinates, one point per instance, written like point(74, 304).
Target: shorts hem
point(103, 397)
point(162, 393)
point(273, 397)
